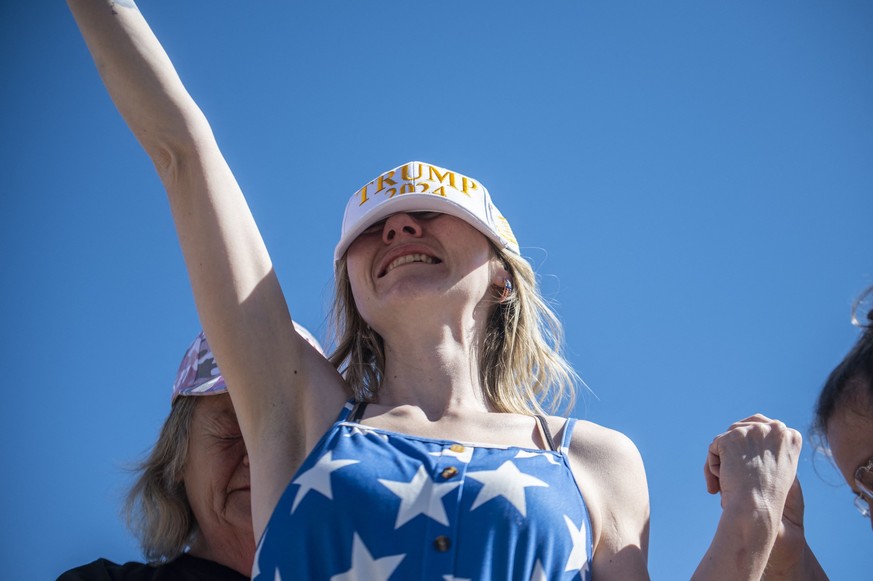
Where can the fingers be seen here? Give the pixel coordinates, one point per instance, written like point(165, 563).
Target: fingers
point(756, 453)
point(711, 469)
point(758, 426)
point(755, 419)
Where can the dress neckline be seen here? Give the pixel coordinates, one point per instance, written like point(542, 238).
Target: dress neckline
point(358, 413)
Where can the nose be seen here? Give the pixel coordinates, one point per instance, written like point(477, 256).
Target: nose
point(245, 460)
point(401, 224)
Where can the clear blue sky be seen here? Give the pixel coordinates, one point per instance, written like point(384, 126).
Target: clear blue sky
point(692, 180)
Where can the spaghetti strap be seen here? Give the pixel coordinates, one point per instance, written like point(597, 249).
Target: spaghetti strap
point(547, 433)
point(358, 412)
point(568, 434)
point(344, 413)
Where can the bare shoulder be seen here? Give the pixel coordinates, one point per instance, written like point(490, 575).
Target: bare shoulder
point(609, 471)
point(595, 444)
point(611, 465)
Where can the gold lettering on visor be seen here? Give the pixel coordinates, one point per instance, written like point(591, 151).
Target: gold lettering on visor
point(440, 191)
point(363, 194)
point(409, 178)
point(383, 179)
point(432, 171)
point(467, 184)
point(407, 187)
point(506, 230)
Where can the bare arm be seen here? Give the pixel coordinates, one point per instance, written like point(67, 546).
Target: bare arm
point(610, 471)
point(805, 567)
point(791, 558)
point(753, 465)
point(237, 293)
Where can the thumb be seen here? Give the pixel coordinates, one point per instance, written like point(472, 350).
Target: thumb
point(711, 470)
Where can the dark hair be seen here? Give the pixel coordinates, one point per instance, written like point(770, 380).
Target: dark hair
point(853, 377)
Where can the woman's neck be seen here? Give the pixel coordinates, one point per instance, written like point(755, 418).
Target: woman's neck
point(434, 367)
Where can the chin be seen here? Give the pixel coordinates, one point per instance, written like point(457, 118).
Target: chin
point(408, 290)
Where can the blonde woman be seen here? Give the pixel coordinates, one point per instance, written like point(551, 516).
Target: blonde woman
point(446, 466)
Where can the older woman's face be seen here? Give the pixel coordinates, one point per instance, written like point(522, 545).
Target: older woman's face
point(850, 435)
point(216, 474)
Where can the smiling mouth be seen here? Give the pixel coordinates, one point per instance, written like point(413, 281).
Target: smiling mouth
point(408, 259)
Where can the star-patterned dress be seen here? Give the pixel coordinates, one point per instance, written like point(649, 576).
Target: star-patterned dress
point(374, 505)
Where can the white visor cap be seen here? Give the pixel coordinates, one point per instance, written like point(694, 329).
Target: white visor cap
point(421, 187)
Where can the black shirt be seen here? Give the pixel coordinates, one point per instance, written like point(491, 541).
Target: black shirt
point(183, 568)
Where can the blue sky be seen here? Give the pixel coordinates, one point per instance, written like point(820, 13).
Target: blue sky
point(692, 180)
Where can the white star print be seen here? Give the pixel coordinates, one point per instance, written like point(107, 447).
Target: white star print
point(453, 578)
point(374, 432)
point(464, 456)
point(318, 478)
point(278, 576)
point(362, 430)
point(546, 455)
point(365, 567)
point(421, 495)
point(507, 481)
point(578, 559)
point(538, 573)
point(355, 431)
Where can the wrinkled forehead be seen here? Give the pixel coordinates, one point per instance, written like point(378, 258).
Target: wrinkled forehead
point(215, 413)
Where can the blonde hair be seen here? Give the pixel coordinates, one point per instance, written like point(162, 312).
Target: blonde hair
point(156, 509)
point(522, 366)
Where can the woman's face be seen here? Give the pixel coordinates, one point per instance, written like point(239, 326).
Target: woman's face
point(850, 435)
point(425, 260)
point(216, 473)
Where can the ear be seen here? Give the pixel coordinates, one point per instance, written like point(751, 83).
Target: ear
point(500, 275)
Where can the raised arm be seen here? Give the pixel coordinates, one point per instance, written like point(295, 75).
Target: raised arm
point(760, 534)
point(236, 291)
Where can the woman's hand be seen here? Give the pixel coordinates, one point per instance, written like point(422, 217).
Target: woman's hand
point(754, 467)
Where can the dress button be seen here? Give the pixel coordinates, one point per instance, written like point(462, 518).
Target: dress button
point(457, 448)
point(442, 543)
point(449, 472)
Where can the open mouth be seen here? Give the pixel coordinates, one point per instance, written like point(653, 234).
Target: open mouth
point(408, 259)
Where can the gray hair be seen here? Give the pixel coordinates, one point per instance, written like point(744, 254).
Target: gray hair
point(156, 509)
